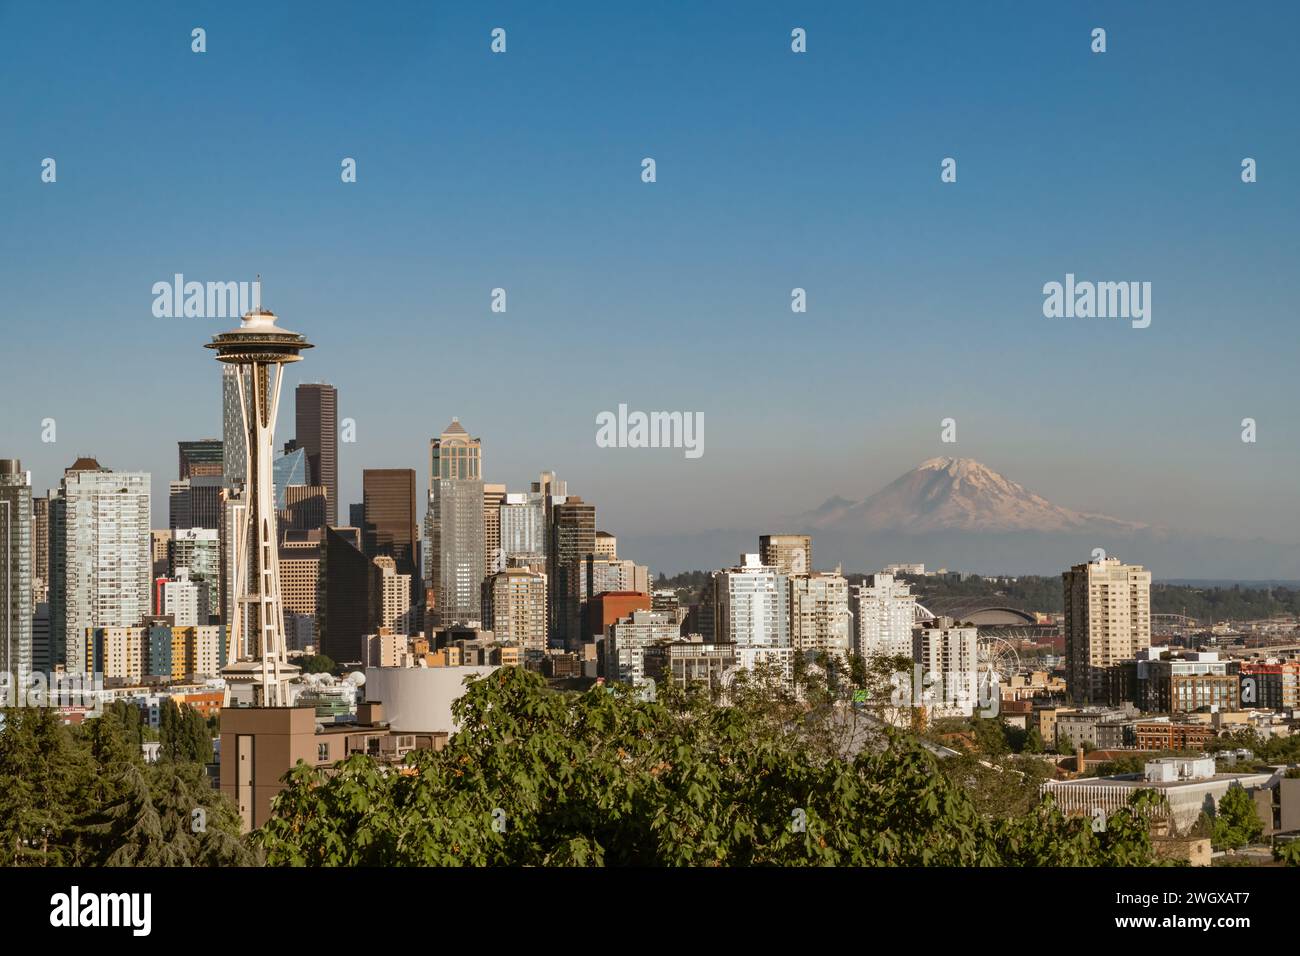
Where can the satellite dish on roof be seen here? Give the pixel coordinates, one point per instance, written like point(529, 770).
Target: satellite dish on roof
point(356, 679)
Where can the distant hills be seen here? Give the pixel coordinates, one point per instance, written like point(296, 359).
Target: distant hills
point(960, 514)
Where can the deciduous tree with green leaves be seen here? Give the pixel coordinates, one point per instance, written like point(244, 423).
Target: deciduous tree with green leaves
point(539, 778)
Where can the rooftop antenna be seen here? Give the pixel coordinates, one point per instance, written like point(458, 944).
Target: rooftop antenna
point(257, 293)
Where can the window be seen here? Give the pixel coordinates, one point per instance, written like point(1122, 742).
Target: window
point(323, 751)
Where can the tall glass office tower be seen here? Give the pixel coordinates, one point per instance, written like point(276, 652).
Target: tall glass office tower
point(454, 526)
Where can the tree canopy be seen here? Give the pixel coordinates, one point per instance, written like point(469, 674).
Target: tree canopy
point(536, 777)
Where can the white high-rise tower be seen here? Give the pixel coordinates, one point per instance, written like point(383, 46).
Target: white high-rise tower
point(258, 351)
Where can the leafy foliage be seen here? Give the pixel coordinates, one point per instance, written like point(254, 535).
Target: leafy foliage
point(84, 797)
point(1236, 823)
point(537, 778)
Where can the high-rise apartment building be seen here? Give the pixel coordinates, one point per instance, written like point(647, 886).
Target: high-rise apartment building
point(16, 559)
point(100, 558)
point(392, 596)
point(753, 604)
point(516, 609)
point(185, 600)
point(884, 611)
point(389, 521)
point(454, 526)
point(819, 614)
point(316, 407)
point(788, 553)
point(117, 653)
point(945, 654)
point(573, 539)
point(198, 551)
point(1107, 619)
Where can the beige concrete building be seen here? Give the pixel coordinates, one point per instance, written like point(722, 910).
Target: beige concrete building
point(118, 653)
point(606, 545)
point(300, 575)
point(516, 608)
point(788, 553)
point(1107, 621)
point(819, 614)
point(394, 597)
point(388, 649)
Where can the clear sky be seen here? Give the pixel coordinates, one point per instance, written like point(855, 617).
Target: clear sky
point(775, 170)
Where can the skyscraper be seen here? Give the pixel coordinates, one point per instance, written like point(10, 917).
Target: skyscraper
point(884, 610)
point(317, 410)
point(100, 557)
point(494, 558)
point(389, 524)
point(300, 553)
point(41, 549)
point(454, 526)
point(195, 502)
point(523, 525)
point(234, 441)
point(1107, 620)
point(344, 606)
point(573, 539)
point(16, 561)
point(202, 458)
point(259, 350)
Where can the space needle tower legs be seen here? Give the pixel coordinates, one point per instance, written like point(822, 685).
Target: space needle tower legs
point(258, 350)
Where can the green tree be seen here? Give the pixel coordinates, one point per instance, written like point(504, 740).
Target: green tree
point(40, 768)
point(1288, 854)
point(538, 778)
point(1033, 742)
point(184, 734)
point(1236, 823)
point(317, 664)
point(152, 821)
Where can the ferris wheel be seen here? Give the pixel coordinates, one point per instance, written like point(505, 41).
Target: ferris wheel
point(995, 661)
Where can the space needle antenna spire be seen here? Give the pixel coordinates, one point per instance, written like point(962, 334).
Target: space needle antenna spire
point(258, 351)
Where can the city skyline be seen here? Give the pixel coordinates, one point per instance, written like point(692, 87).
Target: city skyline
point(612, 301)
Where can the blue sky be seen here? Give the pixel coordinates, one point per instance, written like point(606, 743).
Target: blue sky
point(775, 170)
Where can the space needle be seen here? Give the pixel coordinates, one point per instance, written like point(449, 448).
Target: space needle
point(258, 350)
